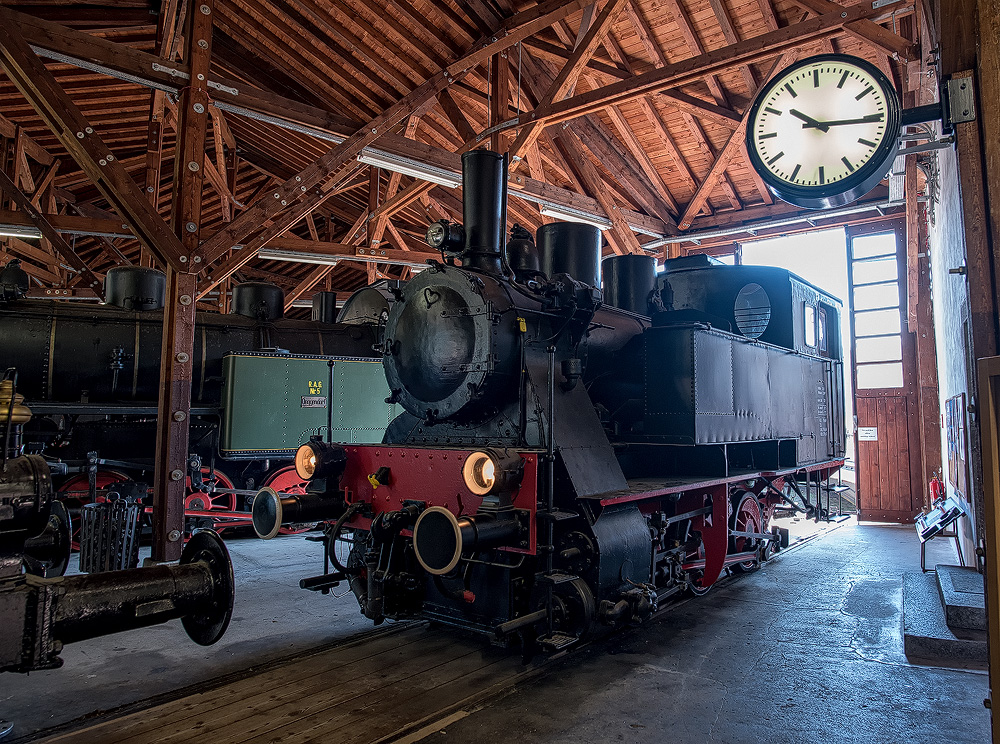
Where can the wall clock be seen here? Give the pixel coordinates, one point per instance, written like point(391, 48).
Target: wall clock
point(823, 132)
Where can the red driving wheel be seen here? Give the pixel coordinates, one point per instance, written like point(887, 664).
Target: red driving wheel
point(286, 480)
point(746, 518)
point(206, 500)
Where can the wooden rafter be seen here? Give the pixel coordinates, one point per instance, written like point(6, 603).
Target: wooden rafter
point(693, 68)
point(66, 121)
point(866, 30)
point(301, 188)
point(49, 233)
point(571, 71)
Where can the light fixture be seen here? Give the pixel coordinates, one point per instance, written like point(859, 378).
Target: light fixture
point(16, 231)
point(409, 167)
point(572, 215)
point(271, 254)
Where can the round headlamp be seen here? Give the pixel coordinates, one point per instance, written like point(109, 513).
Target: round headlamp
point(319, 459)
point(305, 461)
point(480, 473)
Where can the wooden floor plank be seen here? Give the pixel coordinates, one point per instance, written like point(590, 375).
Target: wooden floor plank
point(372, 654)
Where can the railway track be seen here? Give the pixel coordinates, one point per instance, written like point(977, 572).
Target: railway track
point(398, 684)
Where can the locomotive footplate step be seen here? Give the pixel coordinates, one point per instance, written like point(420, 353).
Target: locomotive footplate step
point(557, 641)
point(556, 577)
point(556, 515)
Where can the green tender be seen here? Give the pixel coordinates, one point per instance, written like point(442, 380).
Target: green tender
point(272, 403)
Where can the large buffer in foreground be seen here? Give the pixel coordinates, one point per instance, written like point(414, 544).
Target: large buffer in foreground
point(567, 459)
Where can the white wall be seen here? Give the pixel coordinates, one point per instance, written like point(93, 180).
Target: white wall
point(950, 296)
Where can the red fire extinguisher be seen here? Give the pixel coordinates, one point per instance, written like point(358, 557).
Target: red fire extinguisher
point(937, 489)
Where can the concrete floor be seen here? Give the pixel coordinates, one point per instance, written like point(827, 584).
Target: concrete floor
point(807, 650)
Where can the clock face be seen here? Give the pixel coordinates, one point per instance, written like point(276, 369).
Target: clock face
point(823, 132)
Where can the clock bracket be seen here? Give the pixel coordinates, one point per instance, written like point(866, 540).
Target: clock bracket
point(956, 104)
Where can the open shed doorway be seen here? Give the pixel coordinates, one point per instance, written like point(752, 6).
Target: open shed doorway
point(819, 257)
point(864, 267)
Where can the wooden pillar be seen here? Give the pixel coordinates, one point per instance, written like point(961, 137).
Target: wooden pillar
point(177, 361)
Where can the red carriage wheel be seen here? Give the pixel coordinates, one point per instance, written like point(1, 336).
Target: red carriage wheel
point(206, 500)
point(286, 480)
point(75, 492)
point(77, 487)
point(746, 517)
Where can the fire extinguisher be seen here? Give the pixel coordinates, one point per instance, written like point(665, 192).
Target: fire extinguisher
point(937, 489)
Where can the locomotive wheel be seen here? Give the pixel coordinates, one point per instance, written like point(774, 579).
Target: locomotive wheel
point(695, 587)
point(746, 518)
point(573, 609)
point(211, 501)
point(74, 493)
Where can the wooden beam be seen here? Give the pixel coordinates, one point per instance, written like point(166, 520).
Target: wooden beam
point(620, 236)
point(866, 30)
point(310, 281)
point(34, 150)
point(569, 74)
point(499, 83)
point(66, 121)
point(733, 146)
point(49, 233)
point(731, 37)
point(177, 359)
point(692, 69)
point(455, 115)
point(301, 188)
point(694, 45)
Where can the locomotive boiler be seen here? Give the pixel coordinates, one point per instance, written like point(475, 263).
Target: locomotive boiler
point(568, 458)
point(91, 374)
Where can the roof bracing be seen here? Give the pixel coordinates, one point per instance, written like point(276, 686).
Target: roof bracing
point(628, 112)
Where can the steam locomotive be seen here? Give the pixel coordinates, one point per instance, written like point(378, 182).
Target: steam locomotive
point(41, 610)
point(567, 459)
point(91, 373)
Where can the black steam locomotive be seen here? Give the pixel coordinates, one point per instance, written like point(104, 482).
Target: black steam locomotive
point(567, 459)
point(91, 375)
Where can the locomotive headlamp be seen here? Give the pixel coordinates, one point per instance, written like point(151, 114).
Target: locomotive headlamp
point(486, 472)
point(318, 459)
point(445, 236)
point(479, 473)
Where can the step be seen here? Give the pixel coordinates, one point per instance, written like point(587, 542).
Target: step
point(926, 634)
point(963, 596)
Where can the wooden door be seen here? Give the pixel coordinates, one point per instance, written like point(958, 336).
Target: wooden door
point(887, 436)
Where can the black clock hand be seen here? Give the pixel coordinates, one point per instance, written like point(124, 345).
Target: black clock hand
point(809, 121)
point(825, 125)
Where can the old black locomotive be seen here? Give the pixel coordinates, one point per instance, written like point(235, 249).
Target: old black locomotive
point(568, 458)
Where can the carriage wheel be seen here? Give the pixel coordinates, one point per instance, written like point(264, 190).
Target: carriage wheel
point(75, 491)
point(746, 518)
point(211, 500)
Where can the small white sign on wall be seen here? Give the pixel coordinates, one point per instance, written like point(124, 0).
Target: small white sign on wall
point(867, 433)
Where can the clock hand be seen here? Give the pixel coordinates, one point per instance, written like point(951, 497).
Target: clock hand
point(809, 121)
point(825, 125)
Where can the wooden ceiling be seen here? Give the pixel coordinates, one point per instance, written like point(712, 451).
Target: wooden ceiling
point(627, 111)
